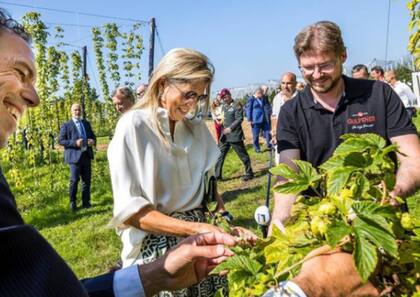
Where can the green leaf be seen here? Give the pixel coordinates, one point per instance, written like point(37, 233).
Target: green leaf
point(379, 237)
point(332, 163)
point(241, 263)
point(388, 149)
point(362, 185)
point(306, 177)
point(413, 203)
point(291, 187)
point(374, 214)
point(375, 140)
point(337, 179)
point(355, 159)
point(284, 171)
point(307, 171)
point(336, 231)
point(364, 256)
point(352, 145)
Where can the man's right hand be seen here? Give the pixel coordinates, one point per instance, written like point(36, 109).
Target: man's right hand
point(332, 274)
point(186, 264)
point(79, 142)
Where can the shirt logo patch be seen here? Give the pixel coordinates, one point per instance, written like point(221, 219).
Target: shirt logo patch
point(361, 120)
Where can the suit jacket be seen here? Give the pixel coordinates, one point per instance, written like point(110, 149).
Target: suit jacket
point(232, 118)
point(258, 111)
point(68, 136)
point(30, 266)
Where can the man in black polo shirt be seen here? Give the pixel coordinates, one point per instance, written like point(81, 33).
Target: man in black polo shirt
point(309, 126)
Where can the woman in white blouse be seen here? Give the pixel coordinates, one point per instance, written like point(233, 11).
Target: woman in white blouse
point(160, 158)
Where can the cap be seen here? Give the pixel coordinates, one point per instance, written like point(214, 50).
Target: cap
point(224, 92)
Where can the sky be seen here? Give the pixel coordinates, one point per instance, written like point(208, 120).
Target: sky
point(248, 41)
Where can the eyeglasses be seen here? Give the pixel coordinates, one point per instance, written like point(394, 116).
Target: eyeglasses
point(322, 68)
point(191, 95)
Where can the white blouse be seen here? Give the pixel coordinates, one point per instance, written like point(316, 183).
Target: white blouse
point(144, 172)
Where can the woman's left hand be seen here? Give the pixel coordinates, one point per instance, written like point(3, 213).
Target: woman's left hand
point(244, 234)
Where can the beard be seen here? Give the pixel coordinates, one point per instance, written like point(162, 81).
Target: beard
point(326, 83)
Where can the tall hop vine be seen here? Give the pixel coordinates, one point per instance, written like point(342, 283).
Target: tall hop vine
point(133, 49)
point(98, 44)
point(38, 127)
point(111, 35)
point(414, 28)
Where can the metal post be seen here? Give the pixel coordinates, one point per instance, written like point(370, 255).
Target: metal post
point(152, 46)
point(84, 80)
point(387, 35)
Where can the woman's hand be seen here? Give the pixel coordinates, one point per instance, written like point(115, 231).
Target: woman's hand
point(244, 234)
point(206, 228)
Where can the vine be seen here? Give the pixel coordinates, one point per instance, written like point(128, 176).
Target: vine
point(111, 35)
point(414, 28)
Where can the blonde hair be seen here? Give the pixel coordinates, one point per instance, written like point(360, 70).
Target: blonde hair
point(179, 64)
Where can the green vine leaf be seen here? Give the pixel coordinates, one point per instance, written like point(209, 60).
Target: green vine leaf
point(336, 232)
point(365, 257)
point(242, 263)
point(337, 179)
point(306, 177)
point(376, 235)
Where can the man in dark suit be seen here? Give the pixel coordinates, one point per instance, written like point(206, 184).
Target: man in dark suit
point(258, 113)
point(77, 137)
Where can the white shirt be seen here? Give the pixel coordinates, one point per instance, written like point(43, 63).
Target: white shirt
point(278, 102)
point(144, 172)
point(404, 92)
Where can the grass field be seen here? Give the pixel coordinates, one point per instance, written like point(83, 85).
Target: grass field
point(82, 238)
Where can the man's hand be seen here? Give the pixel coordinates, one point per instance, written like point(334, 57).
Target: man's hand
point(79, 142)
point(90, 142)
point(408, 173)
point(188, 263)
point(227, 131)
point(332, 274)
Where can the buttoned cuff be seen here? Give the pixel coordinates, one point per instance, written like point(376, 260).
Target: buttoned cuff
point(127, 282)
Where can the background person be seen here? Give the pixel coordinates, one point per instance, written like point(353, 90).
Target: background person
point(122, 98)
point(217, 115)
point(360, 71)
point(300, 86)
point(232, 135)
point(140, 91)
point(258, 113)
point(403, 91)
point(77, 138)
point(377, 73)
point(287, 91)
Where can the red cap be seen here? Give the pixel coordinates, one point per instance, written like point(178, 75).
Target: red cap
point(224, 92)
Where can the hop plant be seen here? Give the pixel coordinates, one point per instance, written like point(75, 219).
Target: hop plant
point(351, 211)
